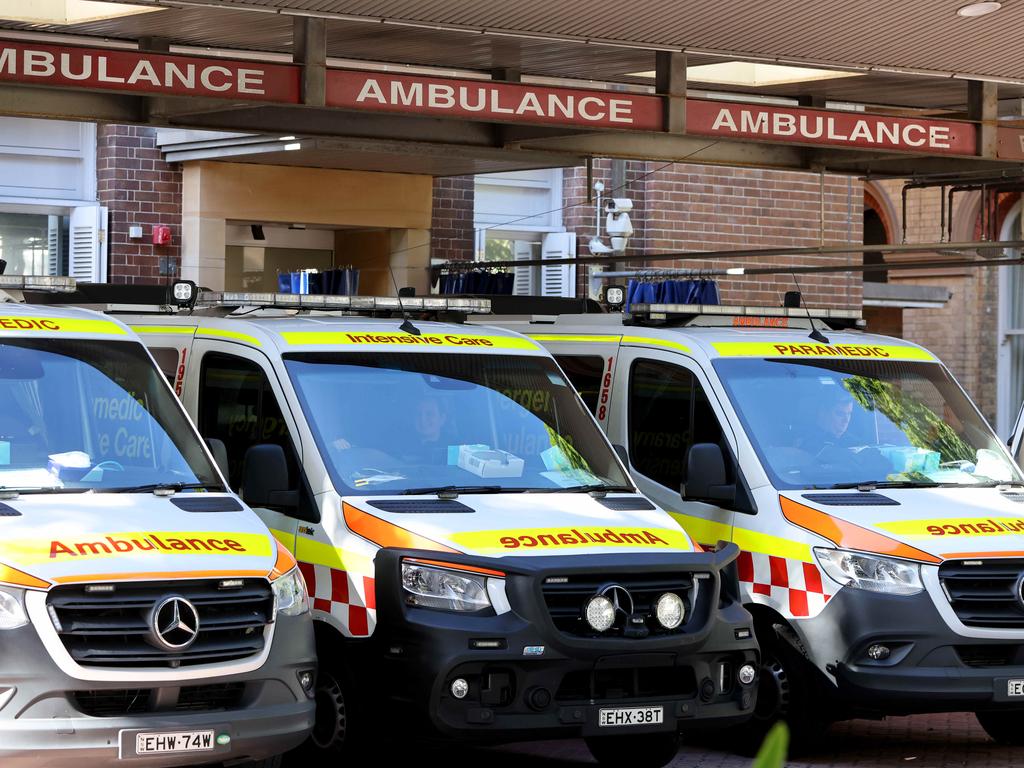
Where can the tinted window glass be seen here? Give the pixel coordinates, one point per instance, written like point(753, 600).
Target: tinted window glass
point(585, 373)
point(238, 407)
point(415, 420)
point(668, 413)
point(861, 421)
point(92, 415)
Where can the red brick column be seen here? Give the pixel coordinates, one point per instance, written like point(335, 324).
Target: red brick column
point(137, 187)
point(451, 224)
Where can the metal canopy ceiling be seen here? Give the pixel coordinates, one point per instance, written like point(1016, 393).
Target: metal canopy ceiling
point(915, 35)
point(925, 35)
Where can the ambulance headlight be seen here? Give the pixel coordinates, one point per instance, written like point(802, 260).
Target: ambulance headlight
point(12, 608)
point(428, 586)
point(870, 572)
point(290, 595)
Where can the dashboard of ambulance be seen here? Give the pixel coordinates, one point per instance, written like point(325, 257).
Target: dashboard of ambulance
point(843, 423)
point(410, 423)
point(81, 415)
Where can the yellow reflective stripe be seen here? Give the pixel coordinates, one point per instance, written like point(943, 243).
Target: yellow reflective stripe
point(710, 532)
point(80, 546)
point(219, 333)
point(59, 325)
point(955, 526)
point(612, 339)
point(406, 340)
point(583, 339)
point(169, 329)
point(770, 349)
point(655, 342)
point(318, 553)
point(540, 539)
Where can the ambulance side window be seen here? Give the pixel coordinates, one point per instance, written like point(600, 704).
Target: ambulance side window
point(585, 375)
point(237, 406)
point(668, 412)
point(167, 359)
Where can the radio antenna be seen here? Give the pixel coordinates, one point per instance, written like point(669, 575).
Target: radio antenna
point(407, 324)
point(815, 334)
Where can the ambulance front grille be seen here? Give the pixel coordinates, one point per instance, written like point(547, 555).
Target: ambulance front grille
point(985, 593)
point(566, 598)
point(113, 628)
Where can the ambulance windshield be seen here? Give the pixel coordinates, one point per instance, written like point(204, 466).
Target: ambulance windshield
point(840, 423)
point(81, 415)
point(395, 423)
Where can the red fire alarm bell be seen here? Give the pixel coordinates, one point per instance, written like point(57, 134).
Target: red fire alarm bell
point(161, 234)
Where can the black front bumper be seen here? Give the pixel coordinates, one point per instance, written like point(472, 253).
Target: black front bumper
point(532, 680)
point(931, 668)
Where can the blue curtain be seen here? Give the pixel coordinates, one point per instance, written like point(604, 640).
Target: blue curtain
point(672, 292)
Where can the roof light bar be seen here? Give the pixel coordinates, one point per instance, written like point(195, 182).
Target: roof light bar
point(656, 310)
point(344, 303)
point(37, 283)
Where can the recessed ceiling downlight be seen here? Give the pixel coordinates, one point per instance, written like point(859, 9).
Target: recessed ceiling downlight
point(978, 9)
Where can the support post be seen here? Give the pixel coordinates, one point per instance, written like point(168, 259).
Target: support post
point(983, 107)
point(506, 74)
point(670, 83)
point(309, 40)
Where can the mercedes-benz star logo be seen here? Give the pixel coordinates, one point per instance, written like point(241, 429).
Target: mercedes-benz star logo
point(174, 624)
point(620, 597)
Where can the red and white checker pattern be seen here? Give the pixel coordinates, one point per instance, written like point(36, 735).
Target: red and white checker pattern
point(792, 587)
point(349, 598)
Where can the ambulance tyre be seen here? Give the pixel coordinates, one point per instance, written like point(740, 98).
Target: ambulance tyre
point(785, 692)
point(334, 734)
point(1003, 727)
point(646, 750)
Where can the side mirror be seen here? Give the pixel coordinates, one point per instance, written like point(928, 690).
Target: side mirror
point(705, 475)
point(265, 478)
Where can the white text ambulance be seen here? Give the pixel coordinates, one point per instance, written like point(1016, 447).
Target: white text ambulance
point(881, 521)
point(479, 563)
point(147, 617)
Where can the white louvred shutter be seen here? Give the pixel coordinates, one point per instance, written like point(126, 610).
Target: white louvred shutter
point(87, 260)
point(53, 245)
point(525, 283)
point(558, 279)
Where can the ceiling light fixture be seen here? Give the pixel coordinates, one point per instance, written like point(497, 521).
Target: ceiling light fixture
point(750, 74)
point(978, 9)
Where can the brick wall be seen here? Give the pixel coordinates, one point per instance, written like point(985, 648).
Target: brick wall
point(137, 187)
point(685, 207)
point(964, 333)
point(451, 224)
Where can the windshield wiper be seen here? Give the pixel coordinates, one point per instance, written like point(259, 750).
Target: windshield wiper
point(591, 488)
point(175, 487)
point(17, 491)
point(452, 491)
point(872, 485)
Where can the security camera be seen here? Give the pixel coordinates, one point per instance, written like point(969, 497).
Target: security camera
point(618, 205)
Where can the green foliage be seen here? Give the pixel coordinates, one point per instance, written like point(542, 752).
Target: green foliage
point(773, 751)
point(498, 250)
point(922, 426)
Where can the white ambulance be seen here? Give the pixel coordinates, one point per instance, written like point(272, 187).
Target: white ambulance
point(147, 617)
point(479, 562)
point(881, 521)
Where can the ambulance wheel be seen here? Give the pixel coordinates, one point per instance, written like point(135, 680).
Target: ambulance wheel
point(1003, 727)
point(784, 692)
point(334, 734)
point(645, 750)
